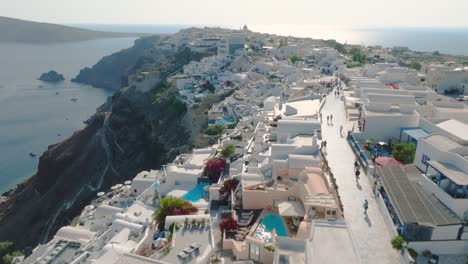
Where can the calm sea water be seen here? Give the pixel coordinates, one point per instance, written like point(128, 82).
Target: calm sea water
point(32, 114)
point(446, 40)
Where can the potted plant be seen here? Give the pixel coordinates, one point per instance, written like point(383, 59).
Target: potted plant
point(398, 242)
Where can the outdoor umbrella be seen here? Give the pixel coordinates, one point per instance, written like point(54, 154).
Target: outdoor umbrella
point(387, 162)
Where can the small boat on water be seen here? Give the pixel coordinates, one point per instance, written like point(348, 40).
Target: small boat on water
point(74, 99)
point(56, 93)
point(32, 154)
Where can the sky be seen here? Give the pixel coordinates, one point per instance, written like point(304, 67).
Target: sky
point(235, 13)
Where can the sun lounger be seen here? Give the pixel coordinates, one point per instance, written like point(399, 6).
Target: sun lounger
point(245, 222)
point(183, 255)
point(188, 250)
point(248, 214)
point(195, 246)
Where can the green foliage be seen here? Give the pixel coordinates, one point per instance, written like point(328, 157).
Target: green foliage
point(404, 152)
point(398, 242)
point(207, 85)
point(270, 248)
point(340, 48)
point(232, 126)
point(353, 65)
point(178, 106)
point(214, 130)
point(7, 259)
point(436, 53)
point(228, 150)
point(355, 51)
point(7, 252)
point(295, 58)
point(6, 247)
point(415, 65)
point(465, 63)
point(173, 206)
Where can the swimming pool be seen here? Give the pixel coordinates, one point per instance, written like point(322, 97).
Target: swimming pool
point(265, 228)
point(196, 193)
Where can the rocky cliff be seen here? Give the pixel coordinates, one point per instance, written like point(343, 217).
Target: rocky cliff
point(132, 131)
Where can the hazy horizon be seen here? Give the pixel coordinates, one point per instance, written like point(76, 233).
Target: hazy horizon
point(355, 14)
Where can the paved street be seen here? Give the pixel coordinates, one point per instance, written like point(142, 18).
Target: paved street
point(370, 233)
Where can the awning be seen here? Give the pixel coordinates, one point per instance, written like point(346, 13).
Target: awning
point(450, 171)
point(291, 208)
point(416, 133)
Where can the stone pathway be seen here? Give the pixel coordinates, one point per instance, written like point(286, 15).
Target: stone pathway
point(371, 237)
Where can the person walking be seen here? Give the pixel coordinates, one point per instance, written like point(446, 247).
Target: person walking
point(366, 206)
point(325, 144)
point(341, 130)
point(328, 118)
point(357, 173)
point(331, 119)
point(320, 118)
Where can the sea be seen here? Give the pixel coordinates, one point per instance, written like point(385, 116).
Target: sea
point(34, 114)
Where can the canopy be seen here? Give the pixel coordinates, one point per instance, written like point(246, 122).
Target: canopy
point(387, 162)
point(291, 208)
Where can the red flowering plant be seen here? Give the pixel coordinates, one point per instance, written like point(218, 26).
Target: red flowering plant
point(213, 169)
point(228, 186)
point(173, 206)
point(229, 224)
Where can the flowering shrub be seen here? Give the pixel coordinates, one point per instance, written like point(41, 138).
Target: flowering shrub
point(228, 186)
point(229, 224)
point(213, 169)
point(173, 206)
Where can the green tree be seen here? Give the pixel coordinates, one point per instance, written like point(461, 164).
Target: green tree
point(355, 51)
point(8, 258)
point(404, 152)
point(415, 65)
point(227, 151)
point(340, 48)
point(436, 53)
point(6, 247)
point(214, 130)
point(295, 58)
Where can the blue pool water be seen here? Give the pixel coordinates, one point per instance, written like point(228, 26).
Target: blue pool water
point(265, 228)
point(196, 193)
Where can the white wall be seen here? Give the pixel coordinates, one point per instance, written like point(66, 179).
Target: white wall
point(445, 232)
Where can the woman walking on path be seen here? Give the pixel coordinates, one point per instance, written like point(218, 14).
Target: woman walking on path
point(366, 206)
point(357, 172)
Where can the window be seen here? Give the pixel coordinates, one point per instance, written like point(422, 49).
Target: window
point(254, 252)
point(425, 159)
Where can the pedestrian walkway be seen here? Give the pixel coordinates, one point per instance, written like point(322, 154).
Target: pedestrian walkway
point(371, 237)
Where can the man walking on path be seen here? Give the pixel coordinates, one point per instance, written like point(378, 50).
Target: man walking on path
point(331, 120)
point(328, 118)
point(366, 206)
point(341, 130)
point(324, 144)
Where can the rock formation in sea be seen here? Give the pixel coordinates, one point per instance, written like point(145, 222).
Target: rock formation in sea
point(52, 77)
point(132, 131)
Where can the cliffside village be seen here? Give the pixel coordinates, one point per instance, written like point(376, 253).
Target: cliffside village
point(309, 164)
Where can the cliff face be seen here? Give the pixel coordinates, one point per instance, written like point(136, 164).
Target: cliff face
point(111, 71)
point(132, 131)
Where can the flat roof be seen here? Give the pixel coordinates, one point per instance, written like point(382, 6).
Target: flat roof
point(413, 204)
point(331, 243)
point(442, 143)
point(455, 127)
point(450, 171)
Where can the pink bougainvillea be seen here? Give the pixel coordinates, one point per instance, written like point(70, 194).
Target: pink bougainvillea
point(213, 169)
point(229, 224)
